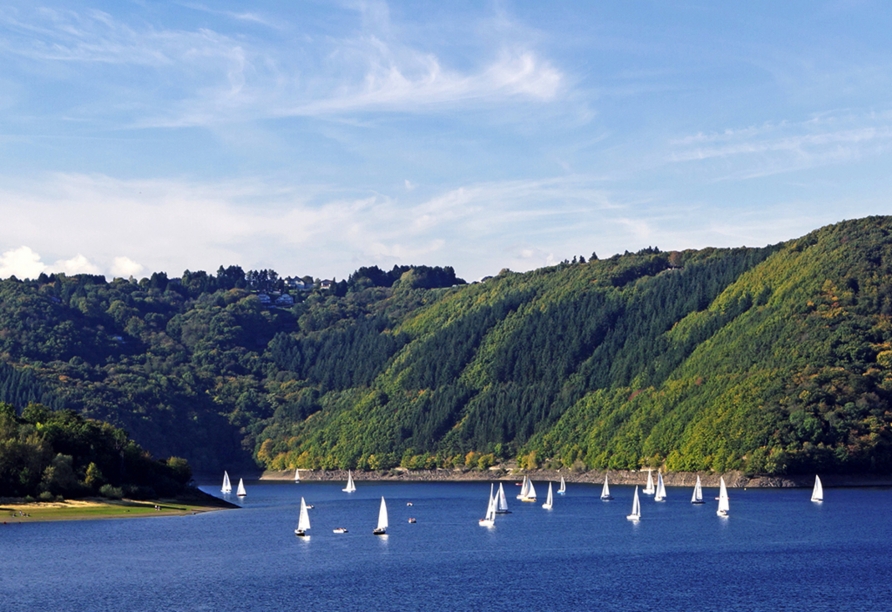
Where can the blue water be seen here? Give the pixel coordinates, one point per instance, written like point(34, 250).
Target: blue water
point(777, 551)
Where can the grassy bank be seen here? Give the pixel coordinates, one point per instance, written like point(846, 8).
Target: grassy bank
point(17, 511)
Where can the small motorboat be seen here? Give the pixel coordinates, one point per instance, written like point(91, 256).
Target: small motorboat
point(411, 519)
point(340, 530)
point(408, 503)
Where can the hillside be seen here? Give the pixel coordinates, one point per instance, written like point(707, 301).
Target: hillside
point(770, 360)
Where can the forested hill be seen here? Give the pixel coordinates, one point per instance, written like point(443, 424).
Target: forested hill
point(772, 360)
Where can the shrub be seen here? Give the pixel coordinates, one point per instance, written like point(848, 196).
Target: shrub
point(111, 492)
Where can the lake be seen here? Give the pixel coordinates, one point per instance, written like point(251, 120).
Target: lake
point(777, 551)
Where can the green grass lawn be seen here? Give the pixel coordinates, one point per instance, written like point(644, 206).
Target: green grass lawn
point(94, 509)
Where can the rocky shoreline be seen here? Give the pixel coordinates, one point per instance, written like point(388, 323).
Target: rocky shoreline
point(619, 477)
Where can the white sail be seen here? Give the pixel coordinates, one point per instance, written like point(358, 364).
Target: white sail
point(563, 487)
point(697, 497)
point(649, 489)
point(549, 499)
point(525, 488)
point(296, 474)
point(382, 517)
point(227, 486)
point(502, 506)
point(303, 521)
point(241, 488)
point(350, 488)
point(661, 488)
point(490, 518)
point(605, 490)
point(724, 503)
point(531, 493)
point(817, 494)
point(636, 508)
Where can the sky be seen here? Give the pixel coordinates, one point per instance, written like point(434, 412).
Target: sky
point(313, 138)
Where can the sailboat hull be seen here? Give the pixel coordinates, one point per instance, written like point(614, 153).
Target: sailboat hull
point(380, 532)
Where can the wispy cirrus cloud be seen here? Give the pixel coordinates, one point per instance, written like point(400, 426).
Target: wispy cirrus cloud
point(417, 82)
point(774, 148)
point(205, 77)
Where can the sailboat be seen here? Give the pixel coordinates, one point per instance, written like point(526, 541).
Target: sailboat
point(296, 474)
point(502, 505)
point(227, 486)
point(697, 497)
point(817, 494)
point(531, 493)
point(649, 489)
point(524, 488)
point(241, 488)
point(661, 488)
point(527, 491)
point(724, 504)
point(381, 529)
point(303, 521)
point(350, 488)
point(490, 519)
point(636, 508)
point(605, 491)
point(549, 500)
point(563, 488)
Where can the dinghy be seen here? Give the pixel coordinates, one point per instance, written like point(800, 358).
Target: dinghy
point(724, 503)
point(303, 521)
point(649, 489)
point(605, 491)
point(636, 508)
point(661, 489)
point(241, 488)
point(817, 494)
point(296, 474)
point(697, 497)
point(381, 529)
point(350, 488)
point(549, 499)
point(563, 488)
point(227, 486)
point(489, 520)
point(502, 506)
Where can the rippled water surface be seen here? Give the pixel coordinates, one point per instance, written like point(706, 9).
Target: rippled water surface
point(777, 551)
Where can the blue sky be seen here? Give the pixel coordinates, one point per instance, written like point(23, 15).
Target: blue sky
point(317, 137)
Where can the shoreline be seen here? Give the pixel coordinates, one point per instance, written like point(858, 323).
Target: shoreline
point(17, 511)
point(733, 479)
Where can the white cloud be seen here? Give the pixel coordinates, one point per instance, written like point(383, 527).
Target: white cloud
point(76, 265)
point(22, 263)
point(169, 225)
point(173, 225)
point(774, 148)
point(124, 267)
point(205, 77)
point(418, 82)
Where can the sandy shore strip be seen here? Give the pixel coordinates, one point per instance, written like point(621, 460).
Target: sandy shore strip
point(619, 477)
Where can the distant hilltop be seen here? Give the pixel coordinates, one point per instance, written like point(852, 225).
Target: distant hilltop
point(767, 361)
